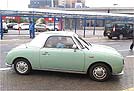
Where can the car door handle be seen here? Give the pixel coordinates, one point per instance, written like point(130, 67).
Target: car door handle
point(45, 53)
point(91, 56)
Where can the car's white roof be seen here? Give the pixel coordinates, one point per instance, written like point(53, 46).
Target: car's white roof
point(56, 33)
point(42, 37)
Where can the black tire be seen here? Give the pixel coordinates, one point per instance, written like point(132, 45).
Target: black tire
point(131, 46)
point(22, 66)
point(36, 30)
point(5, 31)
point(19, 28)
point(103, 74)
point(109, 37)
point(55, 29)
point(47, 29)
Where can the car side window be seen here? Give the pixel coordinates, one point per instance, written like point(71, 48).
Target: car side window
point(51, 42)
point(129, 28)
point(59, 42)
point(120, 26)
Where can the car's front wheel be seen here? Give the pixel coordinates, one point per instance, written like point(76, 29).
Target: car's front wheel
point(22, 66)
point(99, 72)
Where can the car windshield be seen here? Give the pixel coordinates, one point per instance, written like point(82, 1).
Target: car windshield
point(84, 43)
point(108, 25)
point(25, 24)
point(50, 24)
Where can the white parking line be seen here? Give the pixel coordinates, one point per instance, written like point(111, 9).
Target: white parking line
point(129, 89)
point(5, 52)
point(3, 69)
point(124, 50)
point(11, 40)
point(4, 44)
point(131, 56)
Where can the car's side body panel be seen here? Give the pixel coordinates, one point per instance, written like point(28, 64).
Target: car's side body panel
point(64, 59)
point(31, 54)
point(115, 63)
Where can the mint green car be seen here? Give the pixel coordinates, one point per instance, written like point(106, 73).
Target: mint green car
point(66, 52)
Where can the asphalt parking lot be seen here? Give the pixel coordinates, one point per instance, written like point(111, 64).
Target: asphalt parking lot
point(46, 80)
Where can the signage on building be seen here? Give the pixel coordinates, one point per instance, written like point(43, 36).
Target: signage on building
point(51, 19)
point(11, 17)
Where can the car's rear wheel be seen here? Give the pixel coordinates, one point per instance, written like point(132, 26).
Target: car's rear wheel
point(109, 37)
point(47, 29)
point(22, 66)
point(19, 28)
point(55, 29)
point(99, 72)
point(36, 30)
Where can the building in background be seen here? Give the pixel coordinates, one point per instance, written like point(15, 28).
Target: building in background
point(43, 3)
point(57, 3)
point(70, 3)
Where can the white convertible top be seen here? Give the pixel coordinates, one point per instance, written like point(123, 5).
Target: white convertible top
point(54, 33)
point(40, 39)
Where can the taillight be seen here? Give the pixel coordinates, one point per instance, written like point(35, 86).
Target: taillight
point(113, 28)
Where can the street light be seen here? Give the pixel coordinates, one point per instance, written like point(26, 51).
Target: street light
point(115, 4)
point(7, 4)
point(52, 2)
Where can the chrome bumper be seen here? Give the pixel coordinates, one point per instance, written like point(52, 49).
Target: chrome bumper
point(8, 65)
point(118, 74)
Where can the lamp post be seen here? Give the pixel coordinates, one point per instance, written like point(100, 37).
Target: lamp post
point(52, 3)
point(115, 3)
point(1, 27)
point(7, 4)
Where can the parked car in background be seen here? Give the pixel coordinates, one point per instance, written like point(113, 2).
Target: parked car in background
point(119, 30)
point(10, 25)
point(66, 52)
point(50, 27)
point(5, 28)
point(40, 27)
point(23, 26)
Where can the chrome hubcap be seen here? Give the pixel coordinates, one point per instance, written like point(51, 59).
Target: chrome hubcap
point(21, 67)
point(99, 72)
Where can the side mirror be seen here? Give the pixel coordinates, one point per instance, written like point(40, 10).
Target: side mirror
point(74, 46)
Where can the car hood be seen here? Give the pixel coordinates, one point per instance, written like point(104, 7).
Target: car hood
point(23, 46)
point(104, 49)
point(20, 46)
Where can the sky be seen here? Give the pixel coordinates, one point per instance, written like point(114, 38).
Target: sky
point(110, 3)
point(23, 4)
point(14, 4)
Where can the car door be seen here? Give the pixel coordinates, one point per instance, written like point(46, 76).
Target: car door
point(56, 57)
point(120, 28)
point(129, 29)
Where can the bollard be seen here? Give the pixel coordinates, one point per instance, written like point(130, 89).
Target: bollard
point(84, 27)
point(1, 27)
